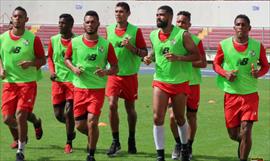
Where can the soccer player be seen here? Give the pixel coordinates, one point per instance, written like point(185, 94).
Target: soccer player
point(183, 21)
point(130, 47)
point(87, 56)
point(31, 118)
point(61, 76)
point(236, 64)
point(21, 56)
point(173, 51)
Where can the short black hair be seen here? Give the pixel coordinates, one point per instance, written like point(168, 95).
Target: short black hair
point(168, 9)
point(68, 17)
point(184, 13)
point(91, 13)
point(243, 17)
point(123, 5)
point(21, 9)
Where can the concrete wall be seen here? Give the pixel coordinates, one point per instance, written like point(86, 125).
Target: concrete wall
point(204, 13)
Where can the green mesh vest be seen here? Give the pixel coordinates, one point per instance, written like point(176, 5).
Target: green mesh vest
point(240, 61)
point(89, 60)
point(165, 71)
point(62, 72)
point(128, 62)
point(195, 72)
point(13, 52)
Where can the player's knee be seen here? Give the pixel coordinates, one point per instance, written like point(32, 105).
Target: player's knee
point(192, 117)
point(113, 107)
point(22, 115)
point(7, 119)
point(69, 109)
point(113, 103)
point(234, 136)
point(245, 132)
point(60, 117)
point(158, 120)
point(246, 129)
point(180, 122)
point(80, 127)
point(93, 123)
point(131, 112)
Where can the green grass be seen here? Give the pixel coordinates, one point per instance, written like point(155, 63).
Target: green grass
point(212, 142)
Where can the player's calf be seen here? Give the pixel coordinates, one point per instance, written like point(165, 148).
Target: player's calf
point(38, 129)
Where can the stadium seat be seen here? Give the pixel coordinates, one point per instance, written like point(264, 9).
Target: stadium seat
point(210, 41)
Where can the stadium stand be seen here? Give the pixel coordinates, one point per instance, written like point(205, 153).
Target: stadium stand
point(217, 34)
point(210, 36)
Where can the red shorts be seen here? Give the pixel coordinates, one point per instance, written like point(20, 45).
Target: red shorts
point(61, 91)
point(172, 89)
point(18, 96)
point(239, 108)
point(88, 101)
point(193, 98)
point(125, 87)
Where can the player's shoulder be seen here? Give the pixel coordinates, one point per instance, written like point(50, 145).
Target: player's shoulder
point(132, 25)
point(103, 40)
point(55, 36)
point(77, 38)
point(255, 41)
point(29, 32)
point(110, 27)
point(4, 34)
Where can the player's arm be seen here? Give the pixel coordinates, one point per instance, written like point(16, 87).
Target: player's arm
point(193, 52)
point(40, 58)
point(264, 64)
point(140, 48)
point(68, 61)
point(150, 57)
point(112, 59)
point(217, 66)
point(202, 63)
point(50, 61)
point(39, 53)
point(141, 44)
point(2, 70)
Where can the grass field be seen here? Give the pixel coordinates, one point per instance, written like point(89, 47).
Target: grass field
point(212, 142)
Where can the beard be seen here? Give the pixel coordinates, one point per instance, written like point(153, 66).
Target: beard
point(162, 24)
point(91, 32)
point(63, 32)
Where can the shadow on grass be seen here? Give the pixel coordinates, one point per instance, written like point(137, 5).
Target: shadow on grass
point(145, 156)
point(122, 153)
point(213, 158)
point(47, 147)
point(50, 159)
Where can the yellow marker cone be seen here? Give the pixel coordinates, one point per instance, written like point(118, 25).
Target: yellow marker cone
point(102, 124)
point(211, 101)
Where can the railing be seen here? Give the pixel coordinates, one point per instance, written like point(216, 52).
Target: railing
point(211, 36)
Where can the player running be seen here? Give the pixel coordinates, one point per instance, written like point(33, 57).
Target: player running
point(183, 21)
point(61, 76)
point(21, 56)
point(236, 63)
point(87, 56)
point(130, 47)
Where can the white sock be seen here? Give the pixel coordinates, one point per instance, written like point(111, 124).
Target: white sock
point(158, 132)
point(183, 131)
point(20, 146)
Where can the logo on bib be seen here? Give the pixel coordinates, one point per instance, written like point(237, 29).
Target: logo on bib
point(252, 53)
point(26, 42)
